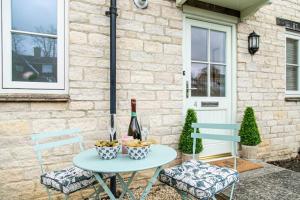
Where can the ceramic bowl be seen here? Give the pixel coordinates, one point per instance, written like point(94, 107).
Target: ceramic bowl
point(108, 153)
point(138, 153)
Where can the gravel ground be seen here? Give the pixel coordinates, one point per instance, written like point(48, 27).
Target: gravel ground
point(159, 192)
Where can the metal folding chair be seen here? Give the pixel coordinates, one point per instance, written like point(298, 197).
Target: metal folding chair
point(232, 138)
point(74, 138)
point(197, 178)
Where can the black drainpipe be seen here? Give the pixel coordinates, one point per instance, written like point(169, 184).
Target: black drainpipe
point(112, 13)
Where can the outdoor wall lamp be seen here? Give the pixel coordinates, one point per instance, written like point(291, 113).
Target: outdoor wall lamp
point(253, 43)
point(141, 3)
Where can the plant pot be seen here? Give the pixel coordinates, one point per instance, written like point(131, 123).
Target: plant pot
point(249, 152)
point(138, 153)
point(187, 157)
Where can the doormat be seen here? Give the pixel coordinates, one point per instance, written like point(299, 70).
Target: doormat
point(242, 165)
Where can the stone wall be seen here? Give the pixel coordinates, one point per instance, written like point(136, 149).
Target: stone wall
point(148, 68)
point(261, 80)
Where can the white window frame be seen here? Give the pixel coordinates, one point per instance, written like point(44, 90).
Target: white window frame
point(9, 86)
point(292, 93)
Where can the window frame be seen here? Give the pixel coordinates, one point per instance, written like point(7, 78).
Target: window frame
point(6, 83)
point(211, 26)
point(292, 93)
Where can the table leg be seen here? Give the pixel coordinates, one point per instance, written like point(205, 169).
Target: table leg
point(128, 184)
point(125, 186)
point(151, 182)
point(104, 186)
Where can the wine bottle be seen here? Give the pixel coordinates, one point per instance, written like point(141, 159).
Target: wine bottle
point(134, 127)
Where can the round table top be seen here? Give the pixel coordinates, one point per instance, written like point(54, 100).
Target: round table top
point(158, 156)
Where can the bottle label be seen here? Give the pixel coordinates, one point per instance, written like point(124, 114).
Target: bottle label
point(133, 114)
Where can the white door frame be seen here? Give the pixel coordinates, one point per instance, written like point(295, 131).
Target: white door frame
point(186, 60)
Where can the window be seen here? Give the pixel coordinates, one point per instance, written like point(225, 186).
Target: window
point(208, 62)
point(292, 64)
point(33, 47)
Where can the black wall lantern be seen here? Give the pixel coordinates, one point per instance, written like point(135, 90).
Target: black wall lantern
point(253, 43)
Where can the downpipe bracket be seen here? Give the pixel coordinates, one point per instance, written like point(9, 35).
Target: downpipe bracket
point(112, 11)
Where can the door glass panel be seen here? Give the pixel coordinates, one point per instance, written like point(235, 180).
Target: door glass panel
point(217, 46)
point(34, 58)
point(199, 79)
point(217, 80)
point(291, 77)
point(199, 44)
point(34, 16)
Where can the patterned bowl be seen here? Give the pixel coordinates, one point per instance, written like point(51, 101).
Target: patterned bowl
point(108, 153)
point(138, 153)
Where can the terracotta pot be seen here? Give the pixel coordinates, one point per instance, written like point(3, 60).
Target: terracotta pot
point(187, 157)
point(249, 152)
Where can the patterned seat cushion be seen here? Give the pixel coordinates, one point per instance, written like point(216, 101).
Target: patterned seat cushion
point(68, 180)
point(199, 179)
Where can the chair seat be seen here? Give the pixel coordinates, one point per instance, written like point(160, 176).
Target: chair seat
point(68, 180)
point(199, 179)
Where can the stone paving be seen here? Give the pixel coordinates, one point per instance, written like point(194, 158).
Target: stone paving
point(268, 183)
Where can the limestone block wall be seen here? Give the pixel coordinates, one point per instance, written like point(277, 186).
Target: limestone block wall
point(149, 68)
point(261, 80)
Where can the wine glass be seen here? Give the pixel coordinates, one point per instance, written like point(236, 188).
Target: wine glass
point(112, 126)
point(145, 127)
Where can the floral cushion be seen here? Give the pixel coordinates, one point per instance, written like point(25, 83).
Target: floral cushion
point(199, 179)
point(68, 180)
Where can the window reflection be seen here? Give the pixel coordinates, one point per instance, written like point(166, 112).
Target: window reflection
point(217, 46)
point(199, 79)
point(34, 58)
point(199, 44)
point(291, 51)
point(292, 78)
point(217, 80)
point(38, 16)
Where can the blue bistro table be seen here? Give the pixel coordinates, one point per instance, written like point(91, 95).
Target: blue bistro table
point(157, 157)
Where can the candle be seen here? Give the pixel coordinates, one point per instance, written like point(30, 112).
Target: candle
point(124, 140)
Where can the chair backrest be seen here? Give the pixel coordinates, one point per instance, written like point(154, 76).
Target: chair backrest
point(72, 139)
point(234, 138)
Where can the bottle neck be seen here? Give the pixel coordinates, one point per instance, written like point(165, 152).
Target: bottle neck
point(133, 106)
point(133, 114)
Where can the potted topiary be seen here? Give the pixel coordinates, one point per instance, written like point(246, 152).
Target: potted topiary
point(249, 134)
point(186, 141)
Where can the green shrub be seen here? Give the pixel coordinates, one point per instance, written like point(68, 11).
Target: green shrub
point(186, 141)
point(249, 132)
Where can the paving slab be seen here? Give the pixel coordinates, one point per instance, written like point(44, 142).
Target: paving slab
point(268, 183)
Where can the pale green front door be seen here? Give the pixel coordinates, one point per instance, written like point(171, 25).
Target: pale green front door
point(208, 77)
